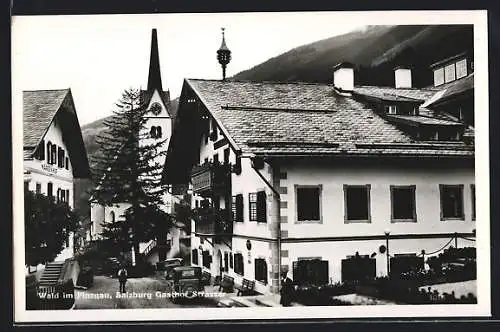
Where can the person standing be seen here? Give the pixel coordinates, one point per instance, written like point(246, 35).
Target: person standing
point(286, 291)
point(122, 278)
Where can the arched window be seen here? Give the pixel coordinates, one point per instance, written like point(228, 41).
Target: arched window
point(152, 132)
point(112, 216)
point(158, 132)
point(49, 152)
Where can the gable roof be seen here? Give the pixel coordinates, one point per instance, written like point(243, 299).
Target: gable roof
point(272, 118)
point(452, 90)
point(40, 108)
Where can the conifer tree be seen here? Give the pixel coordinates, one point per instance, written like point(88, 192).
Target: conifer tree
point(128, 172)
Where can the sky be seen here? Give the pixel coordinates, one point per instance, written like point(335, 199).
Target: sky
point(98, 56)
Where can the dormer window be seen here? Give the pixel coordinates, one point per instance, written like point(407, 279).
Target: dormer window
point(448, 72)
point(401, 109)
point(391, 109)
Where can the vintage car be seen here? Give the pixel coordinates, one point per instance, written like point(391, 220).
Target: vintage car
point(186, 280)
point(168, 264)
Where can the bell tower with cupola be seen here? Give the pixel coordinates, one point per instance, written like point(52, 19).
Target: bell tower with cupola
point(156, 101)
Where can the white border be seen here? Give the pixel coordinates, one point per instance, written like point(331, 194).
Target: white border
point(479, 19)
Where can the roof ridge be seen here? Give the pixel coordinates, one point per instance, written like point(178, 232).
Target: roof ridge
point(229, 80)
point(47, 90)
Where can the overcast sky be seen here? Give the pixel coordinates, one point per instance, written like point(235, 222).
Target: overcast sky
point(98, 56)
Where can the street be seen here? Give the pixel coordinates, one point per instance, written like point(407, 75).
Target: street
point(146, 292)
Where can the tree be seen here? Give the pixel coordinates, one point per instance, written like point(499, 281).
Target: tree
point(47, 226)
point(128, 172)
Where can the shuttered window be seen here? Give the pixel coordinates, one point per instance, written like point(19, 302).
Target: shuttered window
point(261, 270)
point(238, 264)
point(194, 256)
point(207, 259)
point(226, 261)
point(261, 207)
point(238, 208)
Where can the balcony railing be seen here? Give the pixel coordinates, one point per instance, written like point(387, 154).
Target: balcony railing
point(212, 221)
point(210, 178)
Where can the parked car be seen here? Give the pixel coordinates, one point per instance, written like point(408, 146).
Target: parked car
point(186, 280)
point(168, 264)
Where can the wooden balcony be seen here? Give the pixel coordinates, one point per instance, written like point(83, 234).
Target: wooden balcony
point(213, 222)
point(211, 179)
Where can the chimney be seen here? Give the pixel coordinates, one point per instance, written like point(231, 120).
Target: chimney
point(402, 77)
point(343, 78)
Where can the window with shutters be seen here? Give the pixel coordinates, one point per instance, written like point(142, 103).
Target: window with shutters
point(67, 163)
point(452, 201)
point(357, 203)
point(261, 207)
point(308, 201)
point(49, 152)
point(50, 188)
point(226, 261)
point(194, 256)
point(261, 270)
point(252, 206)
point(238, 264)
point(312, 271)
point(206, 259)
point(238, 208)
point(53, 154)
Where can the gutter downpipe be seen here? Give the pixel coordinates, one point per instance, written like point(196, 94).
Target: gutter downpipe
point(278, 208)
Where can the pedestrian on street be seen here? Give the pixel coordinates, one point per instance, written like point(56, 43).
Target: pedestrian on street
point(286, 291)
point(122, 278)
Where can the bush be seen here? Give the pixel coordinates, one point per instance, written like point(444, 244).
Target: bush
point(86, 277)
point(322, 295)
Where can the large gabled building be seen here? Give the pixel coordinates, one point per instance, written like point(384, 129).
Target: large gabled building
point(54, 152)
point(339, 180)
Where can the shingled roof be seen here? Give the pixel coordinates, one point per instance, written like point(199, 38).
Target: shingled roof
point(40, 108)
point(272, 118)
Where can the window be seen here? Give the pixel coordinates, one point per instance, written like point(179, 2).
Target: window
point(403, 203)
point(308, 203)
point(261, 207)
point(216, 158)
point(357, 203)
point(452, 203)
point(53, 154)
point(26, 186)
point(63, 195)
point(67, 195)
point(112, 216)
point(473, 198)
point(237, 208)
point(226, 261)
point(49, 152)
point(238, 264)
point(237, 165)
point(60, 157)
point(194, 255)
point(67, 163)
point(261, 270)
point(155, 132)
point(438, 76)
point(226, 156)
point(38, 188)
point(231, 260)
point(358, 268)
point(392, 109)
point(252, 206)
point(461, 68)
point(449, 73)
point(40, 153)
point(206, 259)
point(50, 188)
point(213, 135)
point(158, 132)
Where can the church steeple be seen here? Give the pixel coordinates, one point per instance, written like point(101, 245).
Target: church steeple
point(223, 55)
point(154, 78)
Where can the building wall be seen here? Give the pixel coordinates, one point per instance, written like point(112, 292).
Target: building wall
point(332, 179)
point(61, 178)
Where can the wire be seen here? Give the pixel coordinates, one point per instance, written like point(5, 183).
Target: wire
point(467, 239)
point(432, 253)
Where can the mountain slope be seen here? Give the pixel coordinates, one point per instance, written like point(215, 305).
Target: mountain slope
point(374, 50)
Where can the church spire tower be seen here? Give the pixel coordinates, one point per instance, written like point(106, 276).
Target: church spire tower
point(154, 78)
point(223, 55)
